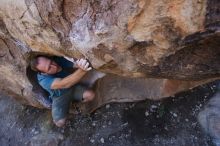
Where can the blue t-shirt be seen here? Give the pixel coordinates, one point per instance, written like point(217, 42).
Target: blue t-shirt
point(46, 80)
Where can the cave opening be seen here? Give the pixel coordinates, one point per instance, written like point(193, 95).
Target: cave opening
point(90, 79)
point(41, 95)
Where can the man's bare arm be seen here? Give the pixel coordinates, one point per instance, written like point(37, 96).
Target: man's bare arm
point(68, 81)
point(74, 78)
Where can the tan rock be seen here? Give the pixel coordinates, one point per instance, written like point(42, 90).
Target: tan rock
point(174, 43)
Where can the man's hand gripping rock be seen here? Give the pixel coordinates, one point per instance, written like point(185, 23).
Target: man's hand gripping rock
point(83, 64)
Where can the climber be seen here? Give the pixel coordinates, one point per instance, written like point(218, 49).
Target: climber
point(61, 77)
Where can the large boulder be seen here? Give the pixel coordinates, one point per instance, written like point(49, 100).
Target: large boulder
point(175, 41)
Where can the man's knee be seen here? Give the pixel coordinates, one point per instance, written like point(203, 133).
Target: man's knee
point(88, 95)
point(60, 123)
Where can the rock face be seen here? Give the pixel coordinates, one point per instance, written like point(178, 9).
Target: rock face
point(176, 40)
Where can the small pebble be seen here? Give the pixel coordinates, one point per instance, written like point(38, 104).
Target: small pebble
point(33, 130)
point(102, 140)
point(62, 131)
point(36, 132)
point(92, 140)
point(124, 125)
point(174, 114)
point(93, 124)
point(146, 113)
point(166, 128)
point(153, 106)
point(107, 106)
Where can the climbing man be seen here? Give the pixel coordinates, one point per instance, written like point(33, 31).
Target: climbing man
point(61, 78)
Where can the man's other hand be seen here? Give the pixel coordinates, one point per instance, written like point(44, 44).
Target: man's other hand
point(83, 64)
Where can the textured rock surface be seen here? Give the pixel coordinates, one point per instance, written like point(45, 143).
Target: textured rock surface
point(176, 40)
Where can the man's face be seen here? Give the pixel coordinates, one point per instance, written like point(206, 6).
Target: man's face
point(47, 66)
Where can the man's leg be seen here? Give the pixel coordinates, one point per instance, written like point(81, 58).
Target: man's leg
point(60, 105)
point(88, 95)
point(60, 109)
point(81, 93)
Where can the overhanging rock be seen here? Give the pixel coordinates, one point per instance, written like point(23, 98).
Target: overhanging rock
point(162, 42)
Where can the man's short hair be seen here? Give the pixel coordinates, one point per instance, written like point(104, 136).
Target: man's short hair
point(34, 62)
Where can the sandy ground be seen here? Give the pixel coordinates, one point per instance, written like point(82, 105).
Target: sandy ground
point(172, 121)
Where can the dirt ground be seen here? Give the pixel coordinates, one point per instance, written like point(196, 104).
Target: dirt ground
point(172, 121)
